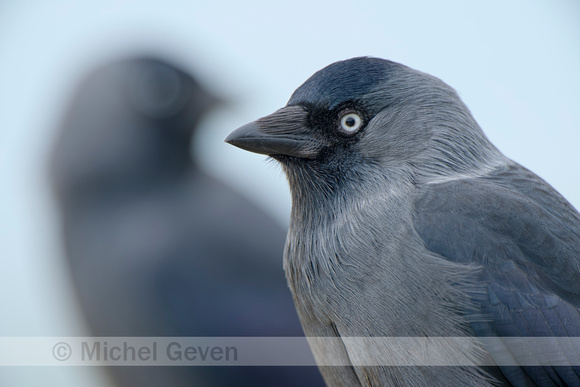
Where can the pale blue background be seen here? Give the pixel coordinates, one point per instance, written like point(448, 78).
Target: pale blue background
point(516, 64)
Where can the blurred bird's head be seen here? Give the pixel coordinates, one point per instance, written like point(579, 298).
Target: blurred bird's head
point(129, 123)
point(366, 117)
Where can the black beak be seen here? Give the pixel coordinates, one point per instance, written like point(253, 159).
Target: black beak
point(284, 132)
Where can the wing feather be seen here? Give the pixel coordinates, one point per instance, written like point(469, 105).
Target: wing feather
point(526, 238)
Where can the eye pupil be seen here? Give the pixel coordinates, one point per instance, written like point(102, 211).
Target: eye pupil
point(350, 121)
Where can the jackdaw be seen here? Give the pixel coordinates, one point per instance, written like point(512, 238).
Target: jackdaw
point(407, 222)
point(155, 246)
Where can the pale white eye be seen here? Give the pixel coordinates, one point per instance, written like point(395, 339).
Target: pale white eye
point(351, 122)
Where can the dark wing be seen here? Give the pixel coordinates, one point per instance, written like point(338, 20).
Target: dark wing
point(526, 238)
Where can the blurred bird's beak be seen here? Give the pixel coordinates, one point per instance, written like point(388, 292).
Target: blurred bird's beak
point(284, 132)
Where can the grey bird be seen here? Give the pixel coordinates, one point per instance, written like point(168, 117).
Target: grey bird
point(156, 246)
point(408, 222)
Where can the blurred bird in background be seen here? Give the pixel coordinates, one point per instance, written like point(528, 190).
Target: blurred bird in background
point(155, 246)
point(407, 222)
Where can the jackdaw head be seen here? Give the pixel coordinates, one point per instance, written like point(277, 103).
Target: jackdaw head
point(366, 116)
point(129, 122)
